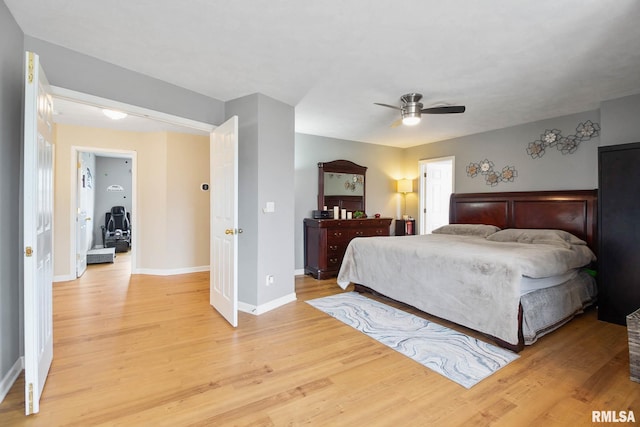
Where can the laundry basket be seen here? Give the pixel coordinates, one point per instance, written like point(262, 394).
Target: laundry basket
point(633, 329)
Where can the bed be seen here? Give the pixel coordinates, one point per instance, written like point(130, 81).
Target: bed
point(513, 266)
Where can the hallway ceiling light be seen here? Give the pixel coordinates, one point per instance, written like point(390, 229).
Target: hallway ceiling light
point(114, 115)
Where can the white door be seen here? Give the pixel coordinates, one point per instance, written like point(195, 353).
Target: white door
point(81, 242)
point(224, 220)
point(38, 232)
point(437, 186)
point(81, 219)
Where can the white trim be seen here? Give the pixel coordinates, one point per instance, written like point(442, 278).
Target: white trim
point(299, 272)
point(261, 309)
point(133, 155)
point(170, 272)
point(65, 278)
point(10, 378)
point(96, 101)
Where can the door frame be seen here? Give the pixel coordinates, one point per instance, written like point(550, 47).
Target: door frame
point(125, 154)
point(85, 98)
point(422, 166)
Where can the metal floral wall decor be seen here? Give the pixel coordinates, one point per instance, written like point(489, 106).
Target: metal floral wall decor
point(565, 144)
point(491, 176)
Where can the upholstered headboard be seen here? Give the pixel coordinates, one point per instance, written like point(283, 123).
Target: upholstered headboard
point(572, 210)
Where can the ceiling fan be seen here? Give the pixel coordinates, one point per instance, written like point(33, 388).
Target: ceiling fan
point(412, 110)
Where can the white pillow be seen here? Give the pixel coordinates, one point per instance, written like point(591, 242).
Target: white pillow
point(481, 230)
point(537, 236)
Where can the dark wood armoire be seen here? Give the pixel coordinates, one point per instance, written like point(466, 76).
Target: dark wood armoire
point(619, 231)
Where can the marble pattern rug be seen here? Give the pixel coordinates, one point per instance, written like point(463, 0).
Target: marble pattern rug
point(460, 358)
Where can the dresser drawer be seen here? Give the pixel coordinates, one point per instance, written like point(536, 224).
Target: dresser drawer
point(368, 232)
point(326, 241)
point(359, 232)
point(337, 248)
point(337, 236)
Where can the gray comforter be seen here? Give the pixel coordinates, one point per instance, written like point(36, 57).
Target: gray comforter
point(467, 280)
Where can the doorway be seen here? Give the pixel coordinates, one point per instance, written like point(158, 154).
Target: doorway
point(144, 118)
point(436, 186)
point(95, 197)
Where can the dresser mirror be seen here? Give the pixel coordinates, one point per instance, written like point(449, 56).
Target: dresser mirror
point(341, 183)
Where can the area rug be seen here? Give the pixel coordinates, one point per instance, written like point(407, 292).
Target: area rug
point(459, 357)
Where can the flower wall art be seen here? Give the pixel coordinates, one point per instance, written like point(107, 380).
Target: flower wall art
point(491, 176)
point(565, 144)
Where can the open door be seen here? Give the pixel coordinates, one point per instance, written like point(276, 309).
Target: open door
point(38, 232)
point(436, 188)
point(223, 285)
point(81, 218)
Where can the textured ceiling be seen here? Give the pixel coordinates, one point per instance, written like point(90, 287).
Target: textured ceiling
point(509, 62)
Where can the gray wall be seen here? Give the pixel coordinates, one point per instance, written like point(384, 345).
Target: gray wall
point(507, 147)
point(110, 171)
point(384, 166)
point(620, 120)
point(266, 174)
point(11, 83)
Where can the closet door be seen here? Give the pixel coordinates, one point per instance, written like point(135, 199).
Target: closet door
point(619, 231)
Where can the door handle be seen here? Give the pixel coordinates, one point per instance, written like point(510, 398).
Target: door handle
point(233, 231)
point(88, 218)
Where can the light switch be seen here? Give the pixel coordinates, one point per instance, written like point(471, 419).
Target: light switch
point(269, 207)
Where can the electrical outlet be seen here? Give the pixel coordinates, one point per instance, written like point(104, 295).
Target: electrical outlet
point(270, 279)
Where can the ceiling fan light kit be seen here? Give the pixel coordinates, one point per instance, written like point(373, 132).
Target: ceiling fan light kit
point(411, 109)
point(410, 119)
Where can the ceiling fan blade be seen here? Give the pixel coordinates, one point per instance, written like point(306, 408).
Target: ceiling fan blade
point(389, 106)
point(445, 110)
point(396, 123)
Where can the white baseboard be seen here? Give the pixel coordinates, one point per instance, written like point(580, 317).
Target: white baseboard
point(263, 308)
point(64, 278)
point(161, 272)
point(10, 378)
point(150, 271)
point(299, 272)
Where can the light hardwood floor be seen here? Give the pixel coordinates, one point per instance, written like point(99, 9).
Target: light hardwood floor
point(148, 350)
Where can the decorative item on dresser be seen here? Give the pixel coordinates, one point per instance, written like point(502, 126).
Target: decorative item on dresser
point(619, 234)
point(326, 240)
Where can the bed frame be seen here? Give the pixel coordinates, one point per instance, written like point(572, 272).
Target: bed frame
point(571, 210)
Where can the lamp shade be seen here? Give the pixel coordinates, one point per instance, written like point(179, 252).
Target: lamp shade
point(405, 186)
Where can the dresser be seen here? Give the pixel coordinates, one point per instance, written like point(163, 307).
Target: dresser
point(326, 240)
point(618, 232)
